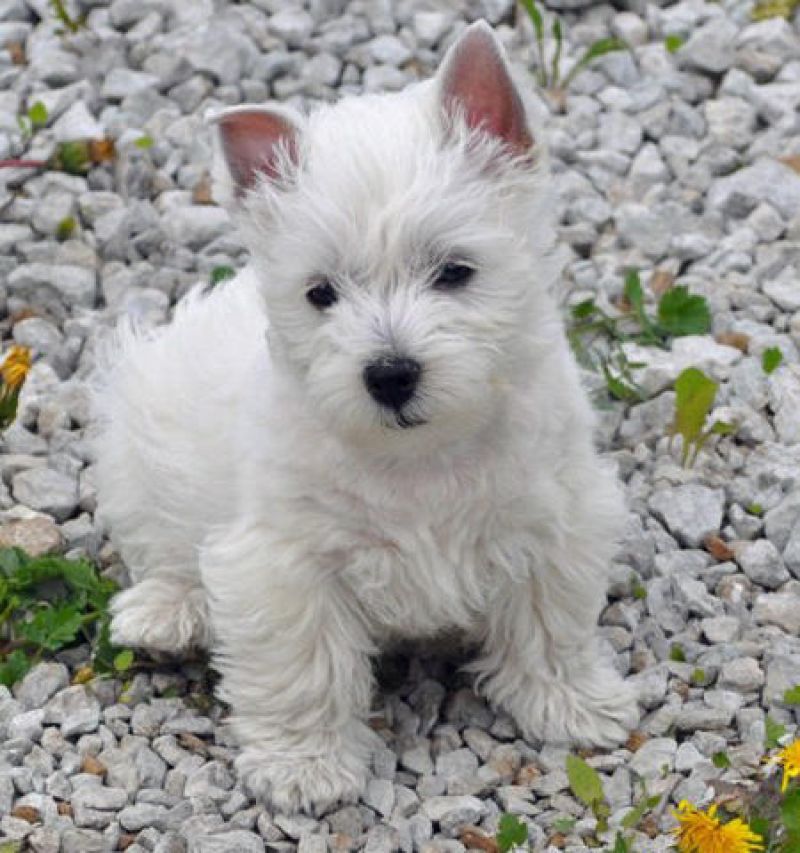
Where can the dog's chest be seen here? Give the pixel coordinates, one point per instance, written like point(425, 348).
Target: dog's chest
point(418, 578)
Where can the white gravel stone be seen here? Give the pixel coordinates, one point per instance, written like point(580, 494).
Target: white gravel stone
point(654, 757)
point(47, 490)
point(690, 512)
point(778, 608)
point(42, 682)
point(761, 562)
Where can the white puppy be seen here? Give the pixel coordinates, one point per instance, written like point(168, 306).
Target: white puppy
point(406, 449)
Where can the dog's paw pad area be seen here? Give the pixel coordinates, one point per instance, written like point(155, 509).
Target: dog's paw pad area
point(675, 158)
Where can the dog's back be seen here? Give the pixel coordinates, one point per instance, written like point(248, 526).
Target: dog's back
point(165, 402)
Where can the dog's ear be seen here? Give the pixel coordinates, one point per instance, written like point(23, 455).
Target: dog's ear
point(475, 83)
point(257, 141)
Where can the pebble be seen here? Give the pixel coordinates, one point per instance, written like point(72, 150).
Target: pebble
point(690, 512)
point(47, 490)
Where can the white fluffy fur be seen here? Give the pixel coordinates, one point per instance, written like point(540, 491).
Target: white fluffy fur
point(266, 509)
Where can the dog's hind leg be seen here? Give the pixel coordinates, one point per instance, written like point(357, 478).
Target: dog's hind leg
point(164, 612)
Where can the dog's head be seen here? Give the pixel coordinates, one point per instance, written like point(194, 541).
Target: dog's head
point(401, 241)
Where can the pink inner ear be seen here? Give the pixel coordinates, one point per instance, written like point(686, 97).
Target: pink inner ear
point(251, 142)
point(476, 82)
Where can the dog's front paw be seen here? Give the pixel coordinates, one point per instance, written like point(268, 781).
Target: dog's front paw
point(302, 784)
point(599, 710)
point(161, 615)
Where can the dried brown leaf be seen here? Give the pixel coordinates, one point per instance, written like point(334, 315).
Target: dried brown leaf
point(28, 813)
point(661, 281)
point(17, 52)
point(636, 740)
point(101, 150)
point(739, 340)
point(476, 839)
point(792, 161)
point(718, 548)
point(91, 765)
point(201, 194)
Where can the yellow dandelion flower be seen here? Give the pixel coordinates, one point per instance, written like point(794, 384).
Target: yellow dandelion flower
point(703, 832)
point(15, 367)
point(789, 758)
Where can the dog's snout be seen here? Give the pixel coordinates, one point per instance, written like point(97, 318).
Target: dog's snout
point(392, 381)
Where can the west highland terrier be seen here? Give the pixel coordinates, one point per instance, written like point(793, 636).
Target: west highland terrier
point(375, 431)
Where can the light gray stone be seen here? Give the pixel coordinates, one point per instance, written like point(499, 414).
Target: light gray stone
point(778, 608)
point(690, 512)
point(44, 680)
point(237, 841)
point(47, 490)
point(75, 710)
point(743, 674)
point(710, 48)
point(654, 757)
point(75, 285)
point(767, 180)
point(762, 563)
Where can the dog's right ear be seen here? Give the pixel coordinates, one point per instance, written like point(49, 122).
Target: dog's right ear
point(257, 141)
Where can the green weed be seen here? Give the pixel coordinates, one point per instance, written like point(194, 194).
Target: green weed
point(48, 604)
point(596, 335)
point(694, 398)
point(549, 73)
point(771, 359)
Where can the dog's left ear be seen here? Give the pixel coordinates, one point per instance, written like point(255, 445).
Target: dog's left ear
point(257, 141)
point(475, 83)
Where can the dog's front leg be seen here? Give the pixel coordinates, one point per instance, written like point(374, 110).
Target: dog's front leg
point(293, 652)
point(541, 661)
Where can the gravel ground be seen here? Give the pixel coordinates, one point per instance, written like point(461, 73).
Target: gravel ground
point(674, 163)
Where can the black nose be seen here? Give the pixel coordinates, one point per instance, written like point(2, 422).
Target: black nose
point(392, 381)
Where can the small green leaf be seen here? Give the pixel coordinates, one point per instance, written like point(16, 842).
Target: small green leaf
point(123, 661)
point(219, 274)
point(698, 676)
point(792, 697)
point(13, 667)
point(620, 844)
point(10, 560)
point(677, 654)
point(773, 732)
point(511, 833)
point(635, 295)
point(584, 781)
point(674, 42)
point(638, 590)
point(37, 113)
point(790, 811)
point(601, 47)
point(760, 825)
point(535, 15)
point(564, 825)
point(634, 816)
point(771, 359)
point(595, 51)
point(680, 313)
point(583, 310)
point(144, 142)
point(66, 228)
point(694, 396)
point(755, 509)
point(51, 628)
point(73, 157)
point(721, 760)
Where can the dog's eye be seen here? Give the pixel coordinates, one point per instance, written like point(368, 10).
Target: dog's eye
point(322, 295)
point(453, 275)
